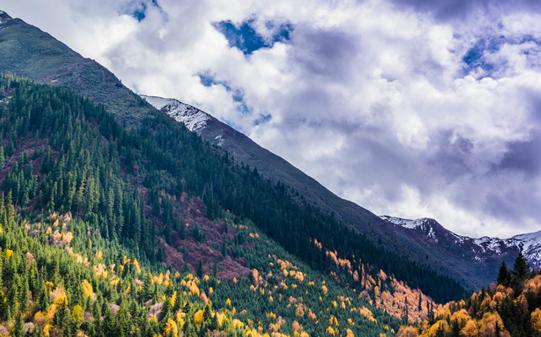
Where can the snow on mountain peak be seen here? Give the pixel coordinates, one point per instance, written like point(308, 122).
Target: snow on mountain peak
point(4, 16)
point(529, 244)
point(424, 225)
point(406, 223)
point(193, 118)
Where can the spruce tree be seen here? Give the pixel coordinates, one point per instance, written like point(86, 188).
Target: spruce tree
point(521, 268)
point(504, 276)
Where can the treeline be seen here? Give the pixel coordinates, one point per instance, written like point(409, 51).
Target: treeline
point(64, 153)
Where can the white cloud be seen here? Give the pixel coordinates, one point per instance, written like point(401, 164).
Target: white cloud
point(370, 99)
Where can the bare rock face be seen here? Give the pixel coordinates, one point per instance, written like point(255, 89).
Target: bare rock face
point(28, 327)
point(156, 310)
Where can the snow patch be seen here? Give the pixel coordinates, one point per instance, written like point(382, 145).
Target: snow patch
point(219, 140)
point(193, 118)
point(423, 225)
point(530, 246)
point(406, 223)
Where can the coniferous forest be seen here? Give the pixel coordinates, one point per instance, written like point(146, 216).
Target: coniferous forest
point(84, 162)
point(118, 189)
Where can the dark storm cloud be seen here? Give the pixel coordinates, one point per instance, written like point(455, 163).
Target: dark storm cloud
point(460, 9)
point(451, 154)
point(523, 157)
point(326, 53)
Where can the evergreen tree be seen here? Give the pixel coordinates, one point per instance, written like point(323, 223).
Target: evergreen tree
point(504, 276)
point(521, 269)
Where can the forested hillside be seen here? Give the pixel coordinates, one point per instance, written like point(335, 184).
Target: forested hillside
point(167, 159)
point(56, 281)
point(59, 277)
point(62, 153)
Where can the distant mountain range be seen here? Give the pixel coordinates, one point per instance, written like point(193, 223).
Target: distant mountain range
point(478, 249)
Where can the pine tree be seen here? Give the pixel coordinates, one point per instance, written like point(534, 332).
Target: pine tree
point(521, 268)
point(2, 157)
point(504, 276)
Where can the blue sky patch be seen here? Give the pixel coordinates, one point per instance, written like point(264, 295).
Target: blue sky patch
point(247, 39)
point(138, 8)
point(263, 118)
point(208, 80)
point(476, 57)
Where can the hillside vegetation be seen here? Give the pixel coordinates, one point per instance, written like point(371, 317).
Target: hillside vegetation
point(128, 237)
point(510, 308)
point(158, 159)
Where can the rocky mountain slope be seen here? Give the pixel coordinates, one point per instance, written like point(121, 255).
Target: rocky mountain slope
point(479, 250)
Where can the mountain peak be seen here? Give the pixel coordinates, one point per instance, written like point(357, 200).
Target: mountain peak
point(483, 247)
point(408, 223)
point(4, 17)
point(193, 118)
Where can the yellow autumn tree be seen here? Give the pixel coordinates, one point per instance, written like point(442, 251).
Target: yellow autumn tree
point(470, 329)
point(407, 331)
point(171, 328)
point(490, 323)
point(86, 287)
point(59, 296)
point(536, 320)
point(331, 331)
point(77, 312)
point(198, 317)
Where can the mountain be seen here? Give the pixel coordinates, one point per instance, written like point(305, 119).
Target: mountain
point(102, 233)
point(74, 140)
point(4, 17)
point(474, 262)
point(29, 52)
point(478, 250)
point(193, 118)
point(292, 208)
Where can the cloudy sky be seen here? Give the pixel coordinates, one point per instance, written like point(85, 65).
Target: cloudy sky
point(408, 107)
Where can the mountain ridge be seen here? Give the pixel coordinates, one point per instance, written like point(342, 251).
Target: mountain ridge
point(247, 151)
point(529, 244)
